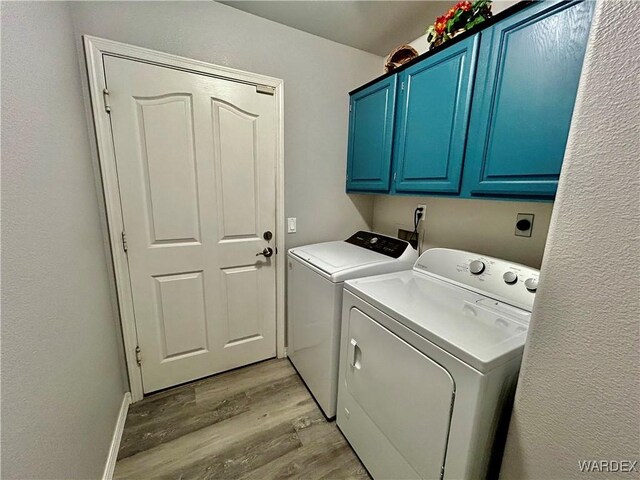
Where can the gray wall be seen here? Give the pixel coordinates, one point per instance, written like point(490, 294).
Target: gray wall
point(61, 354)
point(317, 76)
point(579, 391)
point(61, 383)
point(480, 226)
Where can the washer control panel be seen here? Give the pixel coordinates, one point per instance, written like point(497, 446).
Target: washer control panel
point(392, 247)
point(531, 284)
point(506, 281)
point(476, 267)
point(510, 277)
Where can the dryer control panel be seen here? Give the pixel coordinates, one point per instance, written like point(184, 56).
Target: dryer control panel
point(502, 280)
point(392, 247)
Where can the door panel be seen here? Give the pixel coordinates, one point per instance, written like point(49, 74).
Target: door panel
point(235, 160)
point(196, 171)
point(165, 133)
point(243, 312)
point(371, 137)
point(182, 316)
point(432, 123)
point(524, 99)
point(408, 396)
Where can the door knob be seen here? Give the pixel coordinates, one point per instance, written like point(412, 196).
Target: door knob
point(267, 252)
point(267, 236)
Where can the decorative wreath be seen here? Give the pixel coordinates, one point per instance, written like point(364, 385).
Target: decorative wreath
point(460, 18)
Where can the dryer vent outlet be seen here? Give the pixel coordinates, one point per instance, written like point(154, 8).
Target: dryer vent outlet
point(524, 224)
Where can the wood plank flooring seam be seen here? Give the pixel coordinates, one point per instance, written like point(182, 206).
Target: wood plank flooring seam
point(257, 422)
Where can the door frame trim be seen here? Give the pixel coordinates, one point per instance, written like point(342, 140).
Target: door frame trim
point(94, 49)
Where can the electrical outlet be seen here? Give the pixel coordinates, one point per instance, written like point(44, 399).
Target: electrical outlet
point(291, 225)
point(424, 210)
point(524, 224)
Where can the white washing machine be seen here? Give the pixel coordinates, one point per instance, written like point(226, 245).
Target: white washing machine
point(314, 298)
point(429, 359)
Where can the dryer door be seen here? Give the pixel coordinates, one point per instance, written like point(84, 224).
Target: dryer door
point(403, 392)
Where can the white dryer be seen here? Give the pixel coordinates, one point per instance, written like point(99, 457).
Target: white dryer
point(314, 299)
point(429, 359)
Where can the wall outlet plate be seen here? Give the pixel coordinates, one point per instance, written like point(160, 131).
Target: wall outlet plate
point(424, 211)
point(524, 224)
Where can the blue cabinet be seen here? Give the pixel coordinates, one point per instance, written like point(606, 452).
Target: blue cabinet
point(432, 117)
point(371, 120)
point(529, 68)
point(487, 116)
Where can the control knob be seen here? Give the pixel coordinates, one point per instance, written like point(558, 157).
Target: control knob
point(373, 241)
point(510, 278)
point(531, 284)
point(476, 267)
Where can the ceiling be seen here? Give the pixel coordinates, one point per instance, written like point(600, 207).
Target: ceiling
point(373, 26)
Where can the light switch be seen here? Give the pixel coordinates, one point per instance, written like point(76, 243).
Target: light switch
point(291, 225)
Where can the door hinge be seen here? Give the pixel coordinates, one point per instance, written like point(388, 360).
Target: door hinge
point(267, 90)
point(395, 174)
point(442, 472)
point(125, 245)
point(401, 85)
point(105, 98)
point(138, 355)
point(350, 106)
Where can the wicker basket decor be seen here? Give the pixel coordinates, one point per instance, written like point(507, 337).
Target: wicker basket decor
point(399, 56)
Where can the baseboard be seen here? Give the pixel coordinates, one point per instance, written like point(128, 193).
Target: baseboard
point(117, 436)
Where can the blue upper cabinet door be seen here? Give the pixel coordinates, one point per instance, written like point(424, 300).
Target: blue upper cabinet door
point(528, 73)
point(371, 137)
point(432, 120)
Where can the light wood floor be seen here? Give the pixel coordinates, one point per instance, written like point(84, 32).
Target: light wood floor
point(257, 422)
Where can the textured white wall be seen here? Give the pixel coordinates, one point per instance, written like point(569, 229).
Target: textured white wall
point(317, 75)
point(579, 392)
point(61, 383)
point(480, 226)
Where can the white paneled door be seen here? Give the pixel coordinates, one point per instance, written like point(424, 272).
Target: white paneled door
point(196, 162)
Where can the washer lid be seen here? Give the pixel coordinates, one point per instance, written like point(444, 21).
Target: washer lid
point(480, 331)
point(335, 257)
